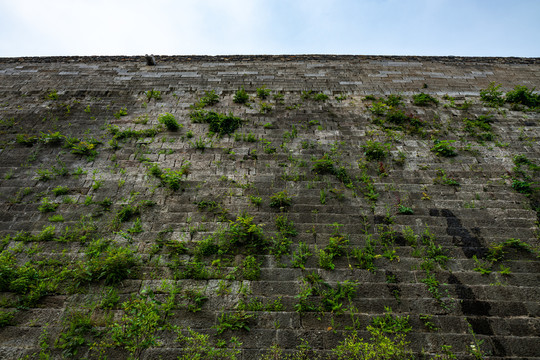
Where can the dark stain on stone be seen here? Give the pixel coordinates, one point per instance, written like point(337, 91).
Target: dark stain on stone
point(469, 243)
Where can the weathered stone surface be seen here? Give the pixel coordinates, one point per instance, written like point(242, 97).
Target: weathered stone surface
point(53, 109)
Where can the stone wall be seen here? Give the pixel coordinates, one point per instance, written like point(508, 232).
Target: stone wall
point(109, 216)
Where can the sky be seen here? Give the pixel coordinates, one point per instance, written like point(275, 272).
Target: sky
point(229, 27)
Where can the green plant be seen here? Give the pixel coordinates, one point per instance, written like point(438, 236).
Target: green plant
point(26, 140)
point(76, 328)
point(263, 92)
point(169, 121)
point(120, 113)
point(391, 324)
point(379, 108)
point(441, 178)
point(265, 108)
point(300, 256)
point(280, 199)
point(6, 317)
point(136, 227)
point(220, 124)
point(424, 99)
point(210, 98)
point(427, 321)
point(47, 206)
point(365, 257)
point(200, 143)
point(255, 200)
point(523, 96)
point(44, 174)
point(153, 94)
point(251, 268)
point(110, 299)
point(285, 226)
point(56, 218)
point(241, 96)
point(137, 329)
point(522, 186)
point(404, 210)
point(443, 148)
point(374, 150)
point(198, 346)
point(311, 95)
point(393, 100)
point(233, 321)
point(53, 95)
point(492, 96)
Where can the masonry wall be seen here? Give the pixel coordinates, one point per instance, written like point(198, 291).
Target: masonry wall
point(105, 208)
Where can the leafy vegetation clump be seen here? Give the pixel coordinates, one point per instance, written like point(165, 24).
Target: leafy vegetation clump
point(443, 148)
point(312, 95)
point(424, 100)
point(220, 124)
point(480, 127)
point(492, 96)
point(280, 199)
point(523, 96)
point(263, 92)
point(169, 121)
point(210, 98)
point(374, 150)
point(130, 133)
point(153, 94)
point(241, 96)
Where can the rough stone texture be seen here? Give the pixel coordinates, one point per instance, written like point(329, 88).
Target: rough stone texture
point(466, 220)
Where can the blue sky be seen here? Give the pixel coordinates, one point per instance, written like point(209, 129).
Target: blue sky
point(214, 27)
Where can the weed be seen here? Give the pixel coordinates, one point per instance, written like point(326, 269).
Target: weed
point(220, 124)
point(424, 100)
point(47, 206)
point(379, 108)
point(198, 346)
point(300, 256)
point(56, 218)
point(263, 92)
point(443, 148)
point(492, 96)
point(322, 197)
point(255, 200)
point(153, 94)
point(6, 317)
point(265, 108)
point(241, 96)
point(26, 140)
point(200, 143)
point(251, 268)
point(76, 328)
point(280, 199)
point(120, 113)
point(427, 321)
point(340, 97)
point(233, 321)
point(169, 121)
point(441, 178)
point(374, 150)
point(137, 329)
point(404, 210)
point(311, 95)
point(53, 95)
point(44, 174)
point(523, 96)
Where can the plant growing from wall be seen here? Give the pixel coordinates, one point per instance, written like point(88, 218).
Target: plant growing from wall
point(241, 96)
point(424, 99)
point(169, 121)
point(443, 148)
